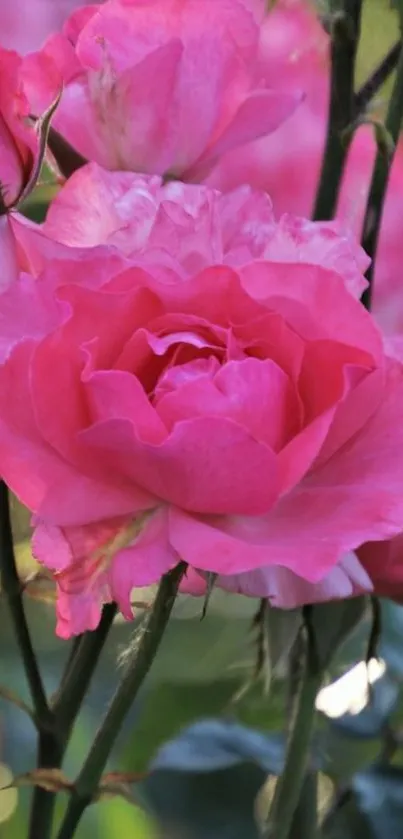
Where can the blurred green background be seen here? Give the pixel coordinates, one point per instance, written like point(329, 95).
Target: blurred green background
point(201, 666)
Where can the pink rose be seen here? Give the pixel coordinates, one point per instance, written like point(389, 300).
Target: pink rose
point(221, 400)
point(187, 228)
point(138, 95)
point(18, 150)
point(294, 48)
point(18, 141)
point(287, 164)
point(284, 588)
point(24, 24)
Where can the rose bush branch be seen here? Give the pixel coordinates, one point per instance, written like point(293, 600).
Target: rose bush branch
point(64, 710)
point(289, 786)
point(375, 81)
point(387, 141)
point(345, 34)
point(50, 752)
point(12, 588)
point(138, 666)
point(80, 671)
point(49, 748)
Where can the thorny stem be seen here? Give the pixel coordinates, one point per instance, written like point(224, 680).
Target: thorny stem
point(288, 790)
point(12, 590)
point(375, 81)
point(50, 756)
point(345, 33)
point(380, 178)
point(65, 707)
point(78, 675)
point(137, 668)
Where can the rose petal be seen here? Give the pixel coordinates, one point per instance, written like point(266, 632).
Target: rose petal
point(184, 470)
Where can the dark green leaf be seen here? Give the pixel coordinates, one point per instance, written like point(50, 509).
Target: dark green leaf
point(204, 784)
point(346, 821)
point(184, 703)
point(217, 744)
point(379, 794)
point(215, 805)
point(373, 809)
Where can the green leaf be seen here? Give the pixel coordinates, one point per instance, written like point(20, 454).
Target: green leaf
point(346, 821)
point(372, 809)
point(204, 783)
point(215, 744)
point(216, 805)
point(184, 703)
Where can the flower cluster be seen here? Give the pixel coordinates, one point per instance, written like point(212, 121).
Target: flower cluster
point(186, 370)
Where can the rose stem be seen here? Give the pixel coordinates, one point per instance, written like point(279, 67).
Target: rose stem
point(380, 177)
point(345, 33)
point(64, 709)
point(289, 786)
point(137, 668)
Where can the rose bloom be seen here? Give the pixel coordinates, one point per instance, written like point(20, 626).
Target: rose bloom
point(163, 86)
point(287, 164)
point(18, 151)
point(18, 141)
point(25, 24)
point(215, 394)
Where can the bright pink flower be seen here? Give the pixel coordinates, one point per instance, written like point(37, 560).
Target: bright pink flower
point(25, 24)
point(188, 227)
point(287, 164)
point(18, 141)
point(222, 400)
point(294, 48)
point(18, 150)
point(137, 95)
point(284, 588)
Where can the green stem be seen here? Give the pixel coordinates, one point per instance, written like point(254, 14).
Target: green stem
point(69, 661)
point(380, 178)
point(50, 756)
point(73, 688)
point(289, 786)
point(80, 670)
point(346, 21)
point(377, 78)
point(137, 669)
point(304, 824)
point(12, 590)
